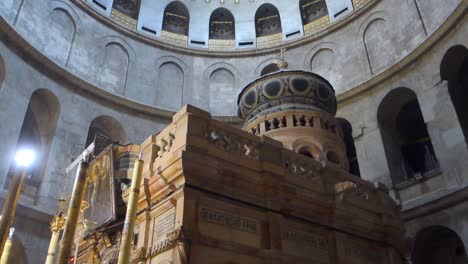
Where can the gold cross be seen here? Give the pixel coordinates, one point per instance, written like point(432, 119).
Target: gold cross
point(282, 52)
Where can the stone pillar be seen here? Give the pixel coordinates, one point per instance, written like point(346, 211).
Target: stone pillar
point(372, 158)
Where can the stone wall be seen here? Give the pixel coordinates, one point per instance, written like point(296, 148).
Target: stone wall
point(432, 200)
point(89, 46)
point(96, 68)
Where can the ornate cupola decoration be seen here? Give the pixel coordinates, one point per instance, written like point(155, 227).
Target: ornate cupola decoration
point(298, 109)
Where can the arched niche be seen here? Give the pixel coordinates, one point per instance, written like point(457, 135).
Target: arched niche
point(115, 67)
point(350, 146)
point(222, 25)
point(170, 85)
point(270, 68)
point(222, 90)
point(176, 18)
point(378, 44)
point(438, 244)
point(323, 63)
point(267, 21)
point(408, 146)
point(37, 132)
point(105, 130)
point(454, 70)
point(312, 10)
point(61, 31)
point(130, 8)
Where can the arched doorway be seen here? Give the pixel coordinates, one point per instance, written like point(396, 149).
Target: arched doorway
point(438, 245)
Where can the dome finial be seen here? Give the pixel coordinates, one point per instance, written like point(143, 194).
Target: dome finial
point(282, 64)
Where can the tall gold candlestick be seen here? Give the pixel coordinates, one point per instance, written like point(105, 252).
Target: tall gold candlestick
point(56, 226)
point(9, 207)
point(7, 249)
point(73, 214)
point(132, 206)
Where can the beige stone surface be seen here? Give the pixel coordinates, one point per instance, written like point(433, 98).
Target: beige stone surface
point(211, 201)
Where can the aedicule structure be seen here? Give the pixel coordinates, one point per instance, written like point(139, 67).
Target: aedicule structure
point(216, 194)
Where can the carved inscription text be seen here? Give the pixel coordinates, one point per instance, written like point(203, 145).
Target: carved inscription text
point(364, 253)
point(164, 225)
point(229, 220)
point(305, 239)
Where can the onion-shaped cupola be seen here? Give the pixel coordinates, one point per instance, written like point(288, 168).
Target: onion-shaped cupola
point(298, 109)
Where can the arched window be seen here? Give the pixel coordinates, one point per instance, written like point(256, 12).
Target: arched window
point(222, 25)
point(408, 146)
point(267, 20)
point(37, 132)
point(312, 10)
point(438, 244)
point(350, 146)
point(130, 8)
point(310, 151)
point(454, 69)
point(176, 18)
point(104, 130)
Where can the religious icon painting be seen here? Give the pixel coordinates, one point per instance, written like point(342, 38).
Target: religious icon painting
point(100, 193)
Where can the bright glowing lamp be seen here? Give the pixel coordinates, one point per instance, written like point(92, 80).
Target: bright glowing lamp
point(25, 157)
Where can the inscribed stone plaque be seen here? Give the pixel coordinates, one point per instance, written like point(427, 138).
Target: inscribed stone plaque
point(305, 244)
point(163, 224)
point(100, 191)
point(232, 221)
point(359, 251)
